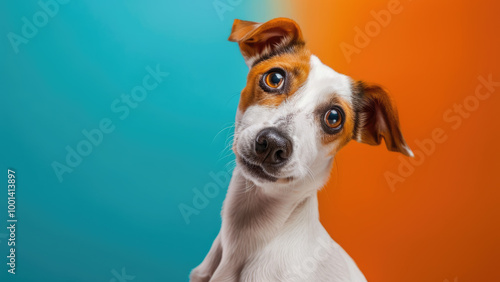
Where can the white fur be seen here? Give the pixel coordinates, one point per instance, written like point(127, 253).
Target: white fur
point(270, 230)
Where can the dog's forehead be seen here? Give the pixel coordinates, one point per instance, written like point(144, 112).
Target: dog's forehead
point(323, 83)
point(317, 86)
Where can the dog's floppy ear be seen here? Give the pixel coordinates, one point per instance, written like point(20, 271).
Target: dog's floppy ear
point(258, 39)
point(378, 118)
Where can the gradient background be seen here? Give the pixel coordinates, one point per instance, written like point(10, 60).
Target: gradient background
point(119, 207)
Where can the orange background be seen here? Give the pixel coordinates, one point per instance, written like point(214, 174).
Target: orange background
point(442, 222)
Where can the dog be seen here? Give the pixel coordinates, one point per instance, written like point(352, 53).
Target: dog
point(294, 115)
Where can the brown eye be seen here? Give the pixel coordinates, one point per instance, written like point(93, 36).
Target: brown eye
point(274, 79)
point(334, 118)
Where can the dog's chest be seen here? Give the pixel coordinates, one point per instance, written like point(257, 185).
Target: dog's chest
point(297, 259)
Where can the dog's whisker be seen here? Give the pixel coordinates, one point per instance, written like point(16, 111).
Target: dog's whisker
point(230, 167)
point(224, 157)
point(232, 97)
point(248, 188)
point(310, 174)
point(228, 145)
point(225, 152)
point(335, 183)
point(222, 130)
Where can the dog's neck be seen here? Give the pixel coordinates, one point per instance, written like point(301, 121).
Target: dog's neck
point(252, 216)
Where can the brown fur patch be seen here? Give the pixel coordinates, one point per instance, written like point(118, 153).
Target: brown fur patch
point(253, 38)
point(379, 119)
point(295, 62)
point(345, 134)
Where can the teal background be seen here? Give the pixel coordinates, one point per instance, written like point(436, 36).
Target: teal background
point(119, 207)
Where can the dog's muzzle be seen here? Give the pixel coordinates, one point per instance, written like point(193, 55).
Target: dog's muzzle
point(271, 151)
point(272, 148)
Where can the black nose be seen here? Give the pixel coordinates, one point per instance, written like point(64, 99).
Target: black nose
point(272, 147)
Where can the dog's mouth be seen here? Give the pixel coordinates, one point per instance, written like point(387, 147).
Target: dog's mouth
point(258, 172)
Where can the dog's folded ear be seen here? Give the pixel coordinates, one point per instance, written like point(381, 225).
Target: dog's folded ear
point(377, 118)
point(258, 39)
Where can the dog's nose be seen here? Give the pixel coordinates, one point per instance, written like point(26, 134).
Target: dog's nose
point(272, 147)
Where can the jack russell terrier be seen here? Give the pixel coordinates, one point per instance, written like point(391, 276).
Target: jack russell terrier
point(294, 115)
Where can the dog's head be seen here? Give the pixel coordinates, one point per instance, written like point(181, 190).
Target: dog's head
point(295, 113)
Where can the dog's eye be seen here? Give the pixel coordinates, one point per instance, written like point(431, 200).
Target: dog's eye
point(334, 118)
point(274, 79)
